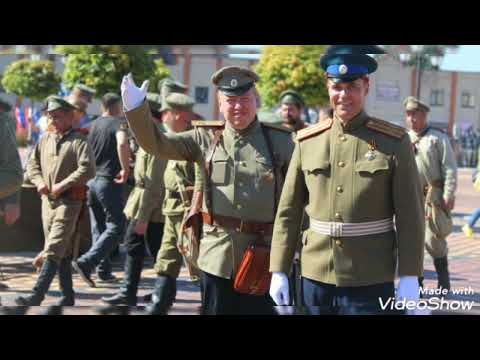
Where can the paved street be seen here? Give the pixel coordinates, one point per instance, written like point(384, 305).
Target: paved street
point(464, 259)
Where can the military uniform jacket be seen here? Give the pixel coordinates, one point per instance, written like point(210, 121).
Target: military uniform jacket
point(178, 176)
point(331, 174)
point(11, 173)
point(436, 160)
point(145, 201)
point(242, 179)
point(66, 160)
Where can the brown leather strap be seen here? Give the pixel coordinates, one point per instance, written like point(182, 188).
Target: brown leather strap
point(437, 184)
point(208, 169)
point(238, 224)
point(276, 170)
point(178, 195)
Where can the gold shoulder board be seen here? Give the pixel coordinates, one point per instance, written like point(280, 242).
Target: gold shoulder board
point(208, 123)
point(314, 130)
point(386, 128)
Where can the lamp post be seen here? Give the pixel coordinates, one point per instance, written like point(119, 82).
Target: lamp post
point(423, 60)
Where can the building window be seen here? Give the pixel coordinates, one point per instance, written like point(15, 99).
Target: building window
point(201, 95)
point(437, 98)
point(388, 91)
point(468, 100)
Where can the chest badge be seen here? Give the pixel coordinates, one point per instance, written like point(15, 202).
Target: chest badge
point(371, 155)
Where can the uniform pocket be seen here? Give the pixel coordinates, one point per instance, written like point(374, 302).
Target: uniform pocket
point(371, 167)
point(312, 166)
point(220, 171)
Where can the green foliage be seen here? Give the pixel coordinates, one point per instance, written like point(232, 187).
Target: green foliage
point(161, 72)
point(103, 66)
point(31, 79)
point(296, 67)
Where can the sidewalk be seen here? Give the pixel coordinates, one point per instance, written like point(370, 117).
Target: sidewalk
point(464, 259)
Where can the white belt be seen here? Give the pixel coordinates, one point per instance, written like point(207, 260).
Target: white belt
point(337, 229)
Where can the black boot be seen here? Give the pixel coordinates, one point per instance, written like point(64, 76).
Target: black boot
point(420, 285)
point(441, 267)
point(163, 296)
point(66, 283)
point(45, 278)
point(128, 292)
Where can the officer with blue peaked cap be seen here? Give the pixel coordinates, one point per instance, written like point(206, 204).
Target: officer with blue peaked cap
point(372, 227)
point(346, 63)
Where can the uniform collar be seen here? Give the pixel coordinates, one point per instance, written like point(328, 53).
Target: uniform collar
point(244, 132)
point(65, 135)
point(423, 132)
point(354, 123)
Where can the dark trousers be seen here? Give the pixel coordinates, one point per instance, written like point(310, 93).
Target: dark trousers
point(219, 298)
point(136, 245)
point(326, 299)
point(106, 203)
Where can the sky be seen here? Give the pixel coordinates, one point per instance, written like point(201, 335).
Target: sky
point(465, 58)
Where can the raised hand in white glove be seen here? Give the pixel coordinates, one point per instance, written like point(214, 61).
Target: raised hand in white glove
point(279, 288)
point(132, 96)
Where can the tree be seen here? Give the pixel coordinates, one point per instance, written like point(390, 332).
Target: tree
point(103, 66)
point(161, 72)
point(293, 67)
point(31, 79)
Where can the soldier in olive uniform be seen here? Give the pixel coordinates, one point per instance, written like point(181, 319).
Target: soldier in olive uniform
point(291, 108)
point(246, 162)
point(438, 176)
point(181, 180)
point(86, 94)
point(60, 166)
point(5, 114)
point(146, 220)
point(11, 174)
point(354, 173)
point(169, 86)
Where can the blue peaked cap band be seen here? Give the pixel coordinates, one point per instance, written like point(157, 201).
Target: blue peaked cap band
point(352, 70)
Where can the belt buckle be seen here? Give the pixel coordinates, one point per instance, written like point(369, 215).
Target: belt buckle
point(336, 229)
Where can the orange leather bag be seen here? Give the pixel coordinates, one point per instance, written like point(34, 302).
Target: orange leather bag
point(253, 276)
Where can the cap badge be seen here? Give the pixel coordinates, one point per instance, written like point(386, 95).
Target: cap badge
point(234, 83)
point(343, 69)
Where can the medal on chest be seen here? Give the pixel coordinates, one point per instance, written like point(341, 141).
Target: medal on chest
point(371, 155)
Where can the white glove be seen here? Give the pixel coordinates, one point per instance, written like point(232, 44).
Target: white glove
point(279, 288)
point(133, 96)
point(408, 290)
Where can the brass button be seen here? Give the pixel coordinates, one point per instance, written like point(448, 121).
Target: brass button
point(339, 189)
point(338, 216)
point(343, 138)
point(341, 164)
point(338, 242)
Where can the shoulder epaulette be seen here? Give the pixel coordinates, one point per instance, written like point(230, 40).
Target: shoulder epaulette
point(314, 130)
point(276, 127)
point(386, 128)
point(208, 123)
